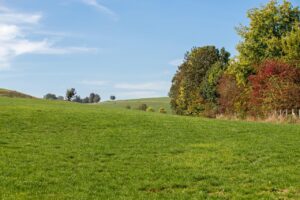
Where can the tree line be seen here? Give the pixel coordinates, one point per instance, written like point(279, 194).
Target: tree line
point(263, 77)
point(71, 95)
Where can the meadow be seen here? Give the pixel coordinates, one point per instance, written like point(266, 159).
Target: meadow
point(155, 103)
point(61, 150)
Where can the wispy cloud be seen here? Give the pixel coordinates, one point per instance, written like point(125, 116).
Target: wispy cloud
point(9, 16)
point(101, 8)
point(149, 86)
point(14, 40)
point(176, 62)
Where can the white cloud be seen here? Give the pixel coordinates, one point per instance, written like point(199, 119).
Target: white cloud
point(176, 62)
point(14, 39)
point(101, 8)
point(8, 32)
point(149, 86)
point(17, 18)
point(94, 83)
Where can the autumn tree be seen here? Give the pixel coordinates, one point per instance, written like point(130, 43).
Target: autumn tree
point(276, 86)
point(273, 33)
point(268, 25)
point(188, 93)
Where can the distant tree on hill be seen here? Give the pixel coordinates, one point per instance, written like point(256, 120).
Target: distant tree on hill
point(86, 100)
point(91, 98)
point(77, 99)
point(70, 94)
point(50, 96)
point(97, 98)
point(112, 97)
point(94, 98)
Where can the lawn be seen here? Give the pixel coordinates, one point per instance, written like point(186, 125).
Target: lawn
point(155, 103)
point(59, 150)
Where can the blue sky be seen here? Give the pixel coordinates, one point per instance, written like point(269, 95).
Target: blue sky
point(128, 48)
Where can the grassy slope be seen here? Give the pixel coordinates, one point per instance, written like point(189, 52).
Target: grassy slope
point(10, 93)
point(156, 103)
point(58, 150)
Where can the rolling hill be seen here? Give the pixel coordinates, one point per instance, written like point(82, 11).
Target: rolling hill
point(13, 94)
point(155, 103)
point(61, 150)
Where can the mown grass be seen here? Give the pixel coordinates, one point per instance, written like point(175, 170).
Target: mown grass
point(59, 150)
point(155, 103)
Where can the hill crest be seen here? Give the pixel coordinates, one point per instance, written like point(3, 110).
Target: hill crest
point(13, 94)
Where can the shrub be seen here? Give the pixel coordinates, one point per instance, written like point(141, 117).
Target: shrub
point(150, 109)
point(143, 107)
point(162, 110)
point(128, 107)
point(210, 110)
point(233, 97)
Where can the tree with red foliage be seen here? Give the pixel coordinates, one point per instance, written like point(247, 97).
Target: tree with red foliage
point(233, 98)
point(275, 86)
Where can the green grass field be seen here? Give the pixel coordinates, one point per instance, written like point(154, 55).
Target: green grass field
point(59, 150)
point(155, 103)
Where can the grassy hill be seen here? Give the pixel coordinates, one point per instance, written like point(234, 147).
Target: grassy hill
point(156, 103)
point(60, 150)
point(15, 94)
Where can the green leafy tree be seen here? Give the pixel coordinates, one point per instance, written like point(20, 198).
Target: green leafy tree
point(77, 99)
point(262, 39)
point(209, 85)
point(86, 100)
point(112, 97)
point(70, 94)
point(291, 45)
point(91, 98)
point(97, 98)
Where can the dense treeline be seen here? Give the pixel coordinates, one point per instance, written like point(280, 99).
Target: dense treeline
point(263, 77)
point(71, 95)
